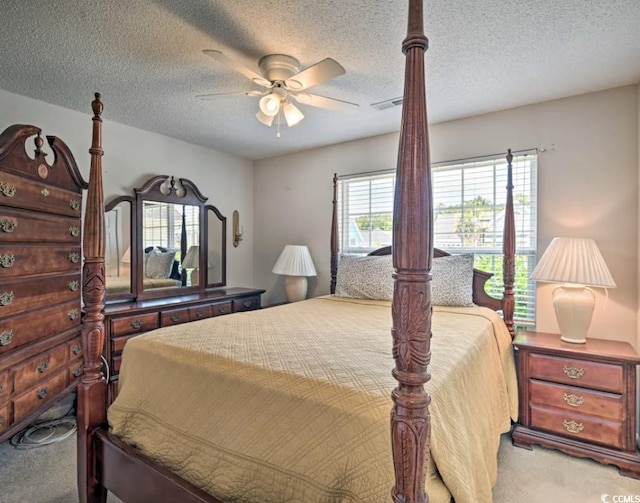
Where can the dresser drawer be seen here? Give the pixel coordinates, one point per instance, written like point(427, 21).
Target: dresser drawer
point(39, 368)
point(246, 304)
point(39, 395)
point(116, 362)
point(5, 389)
point(23, 260)
point(599, 376)
point(4, 417)
point(34, 227)
point(136, 324)
point(222, 308)
point(578, 426)
point(570, 398)
point(23, 329)
point(174, 317)
point(22, 295)
point(32, 195)
point(74, 371)
point(200, 313)
point(74, 349)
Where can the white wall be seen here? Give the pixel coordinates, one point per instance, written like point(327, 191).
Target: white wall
point(132, 156)
point(587, 186)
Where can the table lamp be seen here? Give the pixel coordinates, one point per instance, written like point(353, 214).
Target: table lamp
point(577, 264)
point(295, 263)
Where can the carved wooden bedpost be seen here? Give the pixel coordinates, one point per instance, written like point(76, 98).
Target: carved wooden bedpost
point(334, 235)
point(412, 256)
point(509, 252)
point(92, 387)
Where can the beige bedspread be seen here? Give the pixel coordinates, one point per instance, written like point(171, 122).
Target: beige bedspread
point(291, 404)
point(122, 284)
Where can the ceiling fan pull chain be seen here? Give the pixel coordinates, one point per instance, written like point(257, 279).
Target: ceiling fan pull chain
point(278, 124)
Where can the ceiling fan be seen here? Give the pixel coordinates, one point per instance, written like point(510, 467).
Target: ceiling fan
point(281, 76)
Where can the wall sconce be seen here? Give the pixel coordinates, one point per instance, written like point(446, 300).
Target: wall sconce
point(236, 229)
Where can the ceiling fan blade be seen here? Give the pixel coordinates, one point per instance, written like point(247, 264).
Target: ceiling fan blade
point(238, 67)
point(316, 100)
point(316, 74)
point(209, 97)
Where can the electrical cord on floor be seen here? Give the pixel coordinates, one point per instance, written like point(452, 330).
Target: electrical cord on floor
point(45, 433)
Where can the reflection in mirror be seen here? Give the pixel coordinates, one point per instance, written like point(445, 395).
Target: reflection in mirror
point(217, 245)
point(118, 253)
point(170, 241)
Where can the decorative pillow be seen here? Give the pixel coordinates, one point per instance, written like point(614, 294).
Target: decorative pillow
point(158, 264)
point(365, 277)
point(452, 283)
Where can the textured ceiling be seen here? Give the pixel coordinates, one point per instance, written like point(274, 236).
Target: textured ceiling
point(145, 56)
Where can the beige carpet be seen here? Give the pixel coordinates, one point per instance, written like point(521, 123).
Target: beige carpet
point(48, 475)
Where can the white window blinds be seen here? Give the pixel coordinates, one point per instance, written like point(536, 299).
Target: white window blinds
point(469, 203)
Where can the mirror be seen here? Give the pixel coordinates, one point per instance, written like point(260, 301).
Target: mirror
point(216, 247)
point(118, 250)
point(171, 242)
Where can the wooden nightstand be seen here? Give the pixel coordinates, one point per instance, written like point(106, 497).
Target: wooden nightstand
point(578, 398)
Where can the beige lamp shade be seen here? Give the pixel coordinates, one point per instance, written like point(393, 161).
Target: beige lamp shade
point(577, 264)
point(191, 259)
point(295, 260)
point(296, 264)
point(126, 256)
point(573, 260)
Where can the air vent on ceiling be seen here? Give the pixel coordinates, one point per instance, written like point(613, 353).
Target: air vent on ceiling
point(383, 105)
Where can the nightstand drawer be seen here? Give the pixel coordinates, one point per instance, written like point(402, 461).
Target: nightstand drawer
point(584, 428)
point(134, 324)
point(570, 398)
point(600, 376)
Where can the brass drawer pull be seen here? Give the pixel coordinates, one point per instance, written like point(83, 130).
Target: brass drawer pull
point(175, 318)
point(42, 368)
point(8, 225)
point(573, 400)
point(74, 204)
point(7, 260)
point(7, 189)
point(6, 298)
point(222, 309)
point(73, 314)
point(5, 338)
point(77, 372)
point(247, 303)
point(572, 372)
point(74, 285)
point(199, 314)
point(44, 192)
point(76, 349)
point(74, 231)
point(136, 324)
point(42, 393)
point(73, 257)
point(572, 426)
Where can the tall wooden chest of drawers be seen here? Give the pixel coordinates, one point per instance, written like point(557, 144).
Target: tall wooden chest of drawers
point(578, 398)
point(40, 276)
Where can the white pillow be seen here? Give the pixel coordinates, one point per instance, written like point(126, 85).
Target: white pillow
point(365, 277)
point(452, 283)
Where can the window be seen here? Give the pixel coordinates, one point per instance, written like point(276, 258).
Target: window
point(469, 204)
point(163, 224)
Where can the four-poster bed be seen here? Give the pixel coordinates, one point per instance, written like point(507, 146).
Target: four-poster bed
point(106, 462)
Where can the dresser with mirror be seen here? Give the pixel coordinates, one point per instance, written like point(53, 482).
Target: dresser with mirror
point(165, 264)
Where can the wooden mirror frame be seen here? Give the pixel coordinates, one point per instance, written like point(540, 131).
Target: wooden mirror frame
point(223, 258)
point(133, 268)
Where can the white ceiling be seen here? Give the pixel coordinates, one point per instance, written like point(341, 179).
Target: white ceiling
point(145, 56)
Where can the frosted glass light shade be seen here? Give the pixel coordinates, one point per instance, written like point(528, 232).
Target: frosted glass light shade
point(265, 119)
point(291, 114)
point(191, 259)
point(270, 104)
point(295, 260)
point(573, 260)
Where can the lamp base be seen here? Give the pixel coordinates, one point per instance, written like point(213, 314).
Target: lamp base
point(195, 277)
point(296, 288)
point(574, 308)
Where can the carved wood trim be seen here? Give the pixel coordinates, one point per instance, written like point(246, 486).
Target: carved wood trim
point(509, 252)
point(334, 235)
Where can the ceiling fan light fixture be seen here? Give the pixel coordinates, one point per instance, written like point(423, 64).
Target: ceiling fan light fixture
point(292, 114)
point(270, 104)
point(267, 120)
